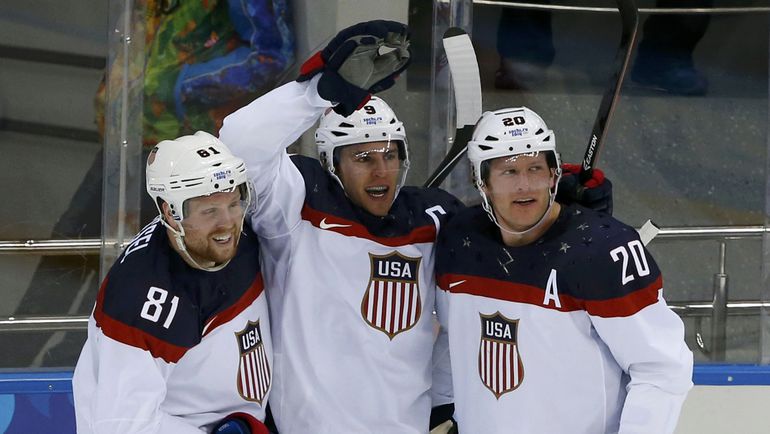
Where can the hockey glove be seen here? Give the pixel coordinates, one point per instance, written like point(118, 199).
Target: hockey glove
point(441, 421)
point(361, 60)
point(448, 427)
point(595, 194)
point(240, 423)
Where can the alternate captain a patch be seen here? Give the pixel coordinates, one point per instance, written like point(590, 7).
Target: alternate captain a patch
point(254, 368)
point(392, 303)
point(500, 366)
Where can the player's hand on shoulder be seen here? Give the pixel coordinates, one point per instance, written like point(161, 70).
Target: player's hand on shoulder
point(361, 60)
point(240, 423)
point(596, 193)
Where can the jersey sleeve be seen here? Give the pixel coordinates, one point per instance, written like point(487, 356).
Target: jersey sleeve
point(129, 387)
point(259, 133)
point(441, 389)
point(645, 337)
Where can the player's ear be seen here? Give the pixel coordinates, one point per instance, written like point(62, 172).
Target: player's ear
point(167, 215)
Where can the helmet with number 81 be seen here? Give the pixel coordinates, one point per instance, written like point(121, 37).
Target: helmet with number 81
point(202, 193)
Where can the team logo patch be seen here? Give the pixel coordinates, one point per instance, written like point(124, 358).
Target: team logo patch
point(500, 366)
point(254, 369)
point(392, 303)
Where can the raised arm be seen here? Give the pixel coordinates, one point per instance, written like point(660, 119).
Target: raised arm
point(341, 76)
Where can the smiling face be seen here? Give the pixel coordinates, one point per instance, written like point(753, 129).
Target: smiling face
point(519, 189)
point(212, 226)
point(369, 173)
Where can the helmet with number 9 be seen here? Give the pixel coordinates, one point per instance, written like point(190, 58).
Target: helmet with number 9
point(374, 122)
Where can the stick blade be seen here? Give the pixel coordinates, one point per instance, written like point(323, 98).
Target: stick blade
point(465, 75)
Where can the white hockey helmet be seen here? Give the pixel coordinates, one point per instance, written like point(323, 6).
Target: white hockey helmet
point(508, 132)
point(193, 166)
point(374, 122)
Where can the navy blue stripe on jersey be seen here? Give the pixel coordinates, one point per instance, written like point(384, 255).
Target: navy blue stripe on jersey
point(422, 234)
point(622, 306)
point(254, 291)
point(594, 257)
point(133, 336)
point(152, 299)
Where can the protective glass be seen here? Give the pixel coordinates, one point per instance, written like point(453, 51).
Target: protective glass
point(217, 208)
point(377, 159)
point(521, 174)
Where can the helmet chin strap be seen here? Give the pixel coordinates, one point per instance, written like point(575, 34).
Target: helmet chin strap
point(182, 248)
point(491, 212)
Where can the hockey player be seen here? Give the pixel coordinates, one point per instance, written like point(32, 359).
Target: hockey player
point(555, 314)
point(179, 340)
point(351, 247)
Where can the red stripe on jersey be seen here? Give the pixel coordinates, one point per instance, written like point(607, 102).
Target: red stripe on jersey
point(508, 291)
point(133, 336)
point(422, 234)
point(626, 305)
point(254, 291)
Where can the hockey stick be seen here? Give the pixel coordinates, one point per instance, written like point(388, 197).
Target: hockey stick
point(464, 69)
point(629, 16)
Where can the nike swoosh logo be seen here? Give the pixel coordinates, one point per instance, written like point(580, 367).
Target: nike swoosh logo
point(206, 327)
point(453, 284)
point(325, 225)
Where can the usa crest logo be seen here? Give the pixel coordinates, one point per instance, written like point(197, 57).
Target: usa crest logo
point(500, 366)
point(254, 368)
point(392, 302)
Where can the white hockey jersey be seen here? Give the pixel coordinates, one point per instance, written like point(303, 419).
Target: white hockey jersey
point(172, 349)
point(568, 335)
point(352, 311)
